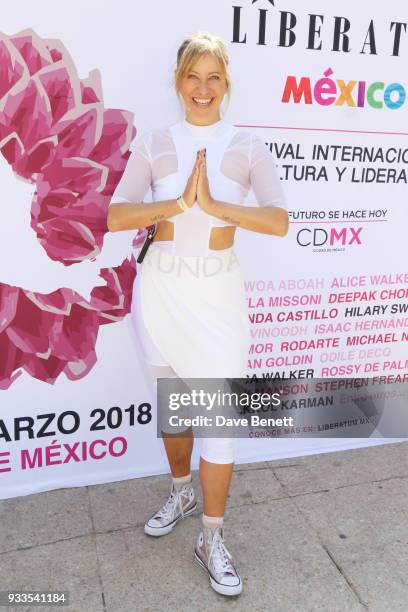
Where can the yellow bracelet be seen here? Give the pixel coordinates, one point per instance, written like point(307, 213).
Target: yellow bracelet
point(181, 202)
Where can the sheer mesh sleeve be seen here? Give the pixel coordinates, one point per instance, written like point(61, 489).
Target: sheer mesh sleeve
point(264, 178)
point(137, 177)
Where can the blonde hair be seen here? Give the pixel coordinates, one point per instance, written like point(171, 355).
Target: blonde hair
point(194, 47)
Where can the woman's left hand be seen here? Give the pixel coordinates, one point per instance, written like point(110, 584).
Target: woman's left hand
point(204, 198)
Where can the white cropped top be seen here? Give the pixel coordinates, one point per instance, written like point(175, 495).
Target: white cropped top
point(164, 159)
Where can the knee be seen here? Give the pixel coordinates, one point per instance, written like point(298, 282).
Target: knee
point(218, 450)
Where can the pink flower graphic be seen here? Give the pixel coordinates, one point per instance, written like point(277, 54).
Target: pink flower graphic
point(56, 134)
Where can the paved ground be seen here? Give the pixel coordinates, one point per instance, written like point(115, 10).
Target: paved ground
point(320, 533)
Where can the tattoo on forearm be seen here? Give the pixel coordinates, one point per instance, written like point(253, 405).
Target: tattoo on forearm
point(231, 220)
point(157, 218)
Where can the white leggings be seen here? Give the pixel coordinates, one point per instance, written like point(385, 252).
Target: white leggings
point(214, 450)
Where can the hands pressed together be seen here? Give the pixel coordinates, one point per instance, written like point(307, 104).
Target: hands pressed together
point(197, 188)
point(264, 219)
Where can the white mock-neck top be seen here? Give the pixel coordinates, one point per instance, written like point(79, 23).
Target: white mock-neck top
point(203, 131)
point(162, 160)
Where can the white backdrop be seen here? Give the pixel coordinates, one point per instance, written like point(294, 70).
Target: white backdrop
point(133, 45)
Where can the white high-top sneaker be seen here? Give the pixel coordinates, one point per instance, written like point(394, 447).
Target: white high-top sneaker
point(179, 505)
point(213, 556)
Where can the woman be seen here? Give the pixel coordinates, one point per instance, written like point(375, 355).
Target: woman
point(192, 321)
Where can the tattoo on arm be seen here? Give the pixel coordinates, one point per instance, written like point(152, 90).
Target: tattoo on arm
point(231, 220)
point(157, 217)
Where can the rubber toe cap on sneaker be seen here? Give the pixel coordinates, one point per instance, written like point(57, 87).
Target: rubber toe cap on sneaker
point(230, 581)
point(226, 587)
point(154, 524)
point(154, 528)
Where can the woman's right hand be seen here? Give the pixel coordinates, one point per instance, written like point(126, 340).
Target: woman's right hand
point(128, 216)
point(190, 192)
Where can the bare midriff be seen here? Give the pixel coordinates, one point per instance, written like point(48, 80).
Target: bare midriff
point(220, 237)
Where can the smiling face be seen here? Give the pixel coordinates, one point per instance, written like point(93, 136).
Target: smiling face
point(203, 88)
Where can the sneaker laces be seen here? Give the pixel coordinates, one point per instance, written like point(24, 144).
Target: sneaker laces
point(168, 510)
point(219, 555)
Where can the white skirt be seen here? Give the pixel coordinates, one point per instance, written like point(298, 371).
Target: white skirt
point(190, 313)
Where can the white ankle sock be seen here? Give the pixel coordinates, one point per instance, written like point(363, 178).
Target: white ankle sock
point(180, 481)
point(212, 522)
